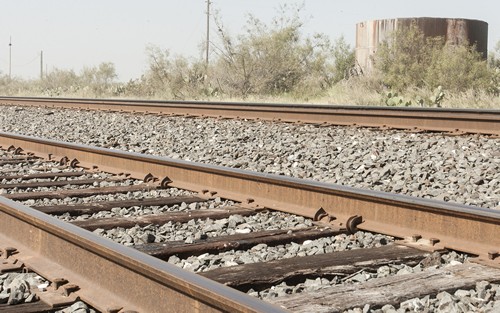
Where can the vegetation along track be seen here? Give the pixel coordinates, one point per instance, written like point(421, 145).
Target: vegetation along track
point(115, 278)
point(416, 119)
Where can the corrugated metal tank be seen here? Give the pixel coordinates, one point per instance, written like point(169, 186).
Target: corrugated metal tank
point(371, 33)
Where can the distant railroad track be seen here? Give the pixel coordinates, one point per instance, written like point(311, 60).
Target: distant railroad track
point(55, 249)
point(414, 119)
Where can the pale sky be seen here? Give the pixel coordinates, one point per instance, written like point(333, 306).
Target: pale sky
point(75, 33)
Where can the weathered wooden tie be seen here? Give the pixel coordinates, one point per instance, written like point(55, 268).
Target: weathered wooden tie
point(181, 217)
point(61, 194)
point(58, 183)
point(16, 158)
point(94, 207)
point(46, 175)
point(32, 307)
point(342, 263)
point(390, 290)
point(164, 250)
point(14, 162)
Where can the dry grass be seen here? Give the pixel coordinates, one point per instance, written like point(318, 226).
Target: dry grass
point(356, 91)
point(340, 94)
point(473, 100)
point(361, 91)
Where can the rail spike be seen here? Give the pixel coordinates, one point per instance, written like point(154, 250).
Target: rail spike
point(64, 161)
point(320, 214)
point(114, 309)
point(74, 163)
point(149, 178)
point(7, 252)
point(165, 182)
point(18, 151)
point(353, 222)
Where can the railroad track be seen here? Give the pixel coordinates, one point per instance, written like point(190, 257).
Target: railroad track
point(455, 121)
point(73, 182)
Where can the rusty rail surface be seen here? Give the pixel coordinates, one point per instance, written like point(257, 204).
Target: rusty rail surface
point(443, 225)
point(417, 119)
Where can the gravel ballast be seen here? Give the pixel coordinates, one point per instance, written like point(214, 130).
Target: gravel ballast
point(463, 169)
point(15, 288)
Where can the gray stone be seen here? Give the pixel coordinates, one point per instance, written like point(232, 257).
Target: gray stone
point(388, 309)
point(383, 271)
point(31, 298)
point(360, 277)
point(77, 307)
point(495, 307)
point(259, 247)
point(16, 296)
point(147, 238)
point(432, 260)
point(405, 270)
point(462, 293)
point(4, 297)
point(366, 308)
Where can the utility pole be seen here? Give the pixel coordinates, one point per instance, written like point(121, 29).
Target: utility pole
point(208, 31)
point(41, 64)
point(10, 57)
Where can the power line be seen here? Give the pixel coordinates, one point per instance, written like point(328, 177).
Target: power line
point(27, 62)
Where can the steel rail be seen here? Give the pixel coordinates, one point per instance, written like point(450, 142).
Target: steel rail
point(111, 277)
point(440, 224)
point(425, 119)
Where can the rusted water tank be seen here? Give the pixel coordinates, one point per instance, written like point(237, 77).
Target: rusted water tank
point(454, 30)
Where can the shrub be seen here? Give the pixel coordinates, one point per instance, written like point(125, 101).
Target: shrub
point(494, 57)
point(402, 60)
point(272, 59)
point(98, 79)
point(410, 60)
point(494, 64)
point(344, 60)
point(458, 68)
point(414, 98)
point(172, 77)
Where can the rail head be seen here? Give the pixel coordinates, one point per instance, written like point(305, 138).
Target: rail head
point(196, 103)
point(411, 118)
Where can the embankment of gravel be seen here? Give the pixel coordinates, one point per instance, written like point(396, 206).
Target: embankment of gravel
point(462, 169)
